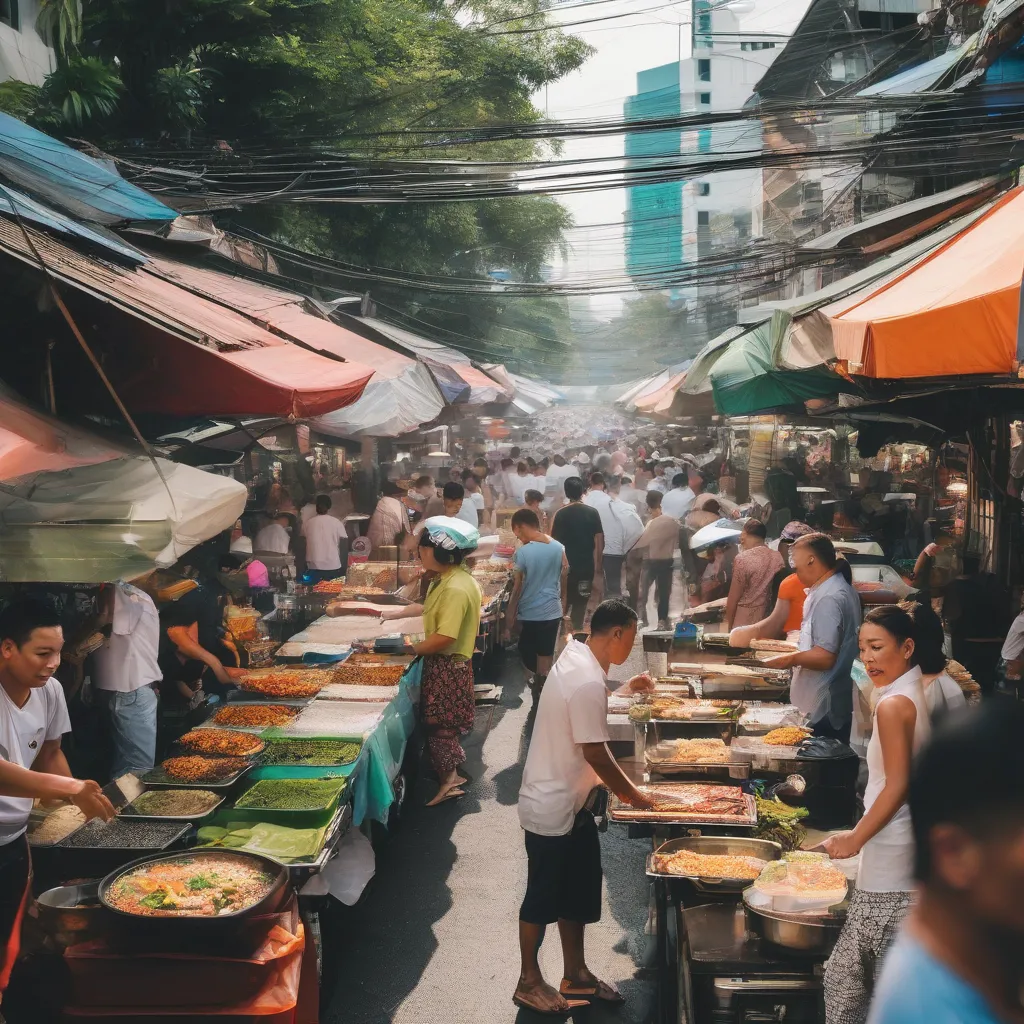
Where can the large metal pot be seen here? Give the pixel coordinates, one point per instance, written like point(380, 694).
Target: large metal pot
point(813, 936)
point(177, 926)
point(72, 913)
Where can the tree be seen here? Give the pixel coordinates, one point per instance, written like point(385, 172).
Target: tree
point(60, 22)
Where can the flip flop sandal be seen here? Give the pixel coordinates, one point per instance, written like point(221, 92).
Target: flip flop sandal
point(465, 776)
point(451, 793)
point(601, 992)
point(573, 1004)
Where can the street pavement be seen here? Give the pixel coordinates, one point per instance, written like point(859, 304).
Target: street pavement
point(434, 939)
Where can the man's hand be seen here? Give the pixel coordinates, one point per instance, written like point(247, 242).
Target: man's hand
point(234, 674)
point(642, 683)
point(932, 550)
point(91, 802)
point(642, 801)
point(781, 661)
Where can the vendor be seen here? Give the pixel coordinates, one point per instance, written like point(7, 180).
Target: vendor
point(389, 524)
point(884, 837)
point(451, 621)
point(33, 717)
point(127, 672)
point(822, 685)
point(752, 575)
point(275, 537)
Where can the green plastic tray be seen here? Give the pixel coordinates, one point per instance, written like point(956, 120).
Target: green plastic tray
point(269, 740)
point(312, 818)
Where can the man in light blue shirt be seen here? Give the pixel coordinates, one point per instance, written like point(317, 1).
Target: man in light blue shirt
point(538, 602)
point(822, 685)
point(960, 957)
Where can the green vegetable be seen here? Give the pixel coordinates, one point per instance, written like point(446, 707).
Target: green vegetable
point(779, 823)
point(211, 834)
point(275, 841)
point(198, 882)
point(291, 794)
point(156, 901)
point(310, 752)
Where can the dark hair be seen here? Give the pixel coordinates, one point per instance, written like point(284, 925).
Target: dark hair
point(532, 495)
point(443, 555)
point(844, 569)
point(573, 487)
point(390, 489)
point(597, 479)
point(969, 775)
point(20, 618)
point(466, 474)
point(507, 463)
point(928, 637)
point(525, 517)
point(480, 462)
point(531, 462)
point(423, 481)
point(609, 615)
point(822, 547)
point(453, 491)
point(323, 503)
point(895, 621)
point(654, 499)
point(679, 480)
point(755, 528)
point(515, 451)
point(521, 465)
point(229, 563)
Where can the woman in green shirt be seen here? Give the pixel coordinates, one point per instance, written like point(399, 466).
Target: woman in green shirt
point(451, 621)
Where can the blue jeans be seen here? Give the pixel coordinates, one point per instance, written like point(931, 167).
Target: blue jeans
point(133, 722)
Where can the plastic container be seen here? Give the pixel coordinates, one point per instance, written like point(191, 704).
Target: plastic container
point(304, 818)
point(268, 752)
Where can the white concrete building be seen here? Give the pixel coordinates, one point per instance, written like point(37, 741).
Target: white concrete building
point(24, 54)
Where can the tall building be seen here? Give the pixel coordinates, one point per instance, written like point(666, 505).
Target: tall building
point(732, 47)
point(24, 55)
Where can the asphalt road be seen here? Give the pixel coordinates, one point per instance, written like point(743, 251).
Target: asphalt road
point(434, 938)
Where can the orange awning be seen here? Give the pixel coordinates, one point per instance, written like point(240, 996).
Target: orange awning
point(954, 313)
point(660, 401)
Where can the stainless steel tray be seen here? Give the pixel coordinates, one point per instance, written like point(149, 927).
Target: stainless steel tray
point(130, 812)
point(157, 778)
point(742, 687)
point(728, 846)
point(726, 772)
point(618, 811)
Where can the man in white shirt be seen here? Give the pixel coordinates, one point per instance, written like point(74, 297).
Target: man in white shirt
point(474, 496)
point(558, 472)
point(33, 717)
point(568, 758)
point(622, 527)
point(633, 495)
point(324, 536)
point(457, 507)
point(274, 538)
point(127, 672)
point(679, 500)
point(660, 482)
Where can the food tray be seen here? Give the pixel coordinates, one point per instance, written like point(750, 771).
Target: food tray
point(618, 811)
point(157, 778)
point(116, 834)
point(187, 749)
point(741, 687)
point(268, 754)
point(662, 759)
point(336, 719)
point(758, 720)
point(355, 692)
point(212, 723)
point(130, 812)
point(313, 817)
point(727, 846)
point(38, 816)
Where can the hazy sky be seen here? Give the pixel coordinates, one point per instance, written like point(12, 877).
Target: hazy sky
point(648, 36)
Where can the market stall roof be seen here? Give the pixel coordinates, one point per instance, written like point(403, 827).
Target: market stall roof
point(660, 399)
point(18, 205)
point(84, 187)
point(955, 313)
point(460, 381)
point(532, 395)
point(400, 396)
point(186, 355)
point(75, 508)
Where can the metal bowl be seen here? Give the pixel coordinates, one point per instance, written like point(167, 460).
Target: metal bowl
point(815, 937)
point(71, 913)
point(726, 846)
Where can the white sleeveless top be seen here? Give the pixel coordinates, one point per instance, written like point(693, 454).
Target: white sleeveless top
point(887, 860)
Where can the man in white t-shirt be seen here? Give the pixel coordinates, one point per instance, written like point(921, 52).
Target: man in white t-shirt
point(568, 758)
point(274, 537)
point(127, 672)
point(622, 528)
point(475, 496)
point(33, 717)
point(324, 536)
point(458, 506)
point(554, 482)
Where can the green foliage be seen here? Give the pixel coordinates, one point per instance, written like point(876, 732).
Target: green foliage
point(179, 92)
point(81, 89)
point(19, 99)
point(60, 23)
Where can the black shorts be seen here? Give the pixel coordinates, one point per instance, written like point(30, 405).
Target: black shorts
point(537, 640)
point(564, 875)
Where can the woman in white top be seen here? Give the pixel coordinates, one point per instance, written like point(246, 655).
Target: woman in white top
point(883, 837)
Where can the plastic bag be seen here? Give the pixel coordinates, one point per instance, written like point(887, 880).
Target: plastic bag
point(346, 875)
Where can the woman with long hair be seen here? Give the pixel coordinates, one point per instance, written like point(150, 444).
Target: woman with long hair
point(883, 837)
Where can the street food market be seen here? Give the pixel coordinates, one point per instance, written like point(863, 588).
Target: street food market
point(362, 625)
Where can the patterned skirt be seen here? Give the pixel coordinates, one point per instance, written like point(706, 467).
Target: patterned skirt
point(448, 706)
point(872, 923)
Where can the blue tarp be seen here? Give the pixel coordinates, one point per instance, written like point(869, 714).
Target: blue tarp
point(77, 183)
point(16, 204)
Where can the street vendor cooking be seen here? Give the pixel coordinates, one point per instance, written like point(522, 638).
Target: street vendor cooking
point(451, 620)
point(33, 717)
point(822, 685)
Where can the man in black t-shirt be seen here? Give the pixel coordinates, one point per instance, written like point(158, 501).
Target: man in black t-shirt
point(577, 527)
